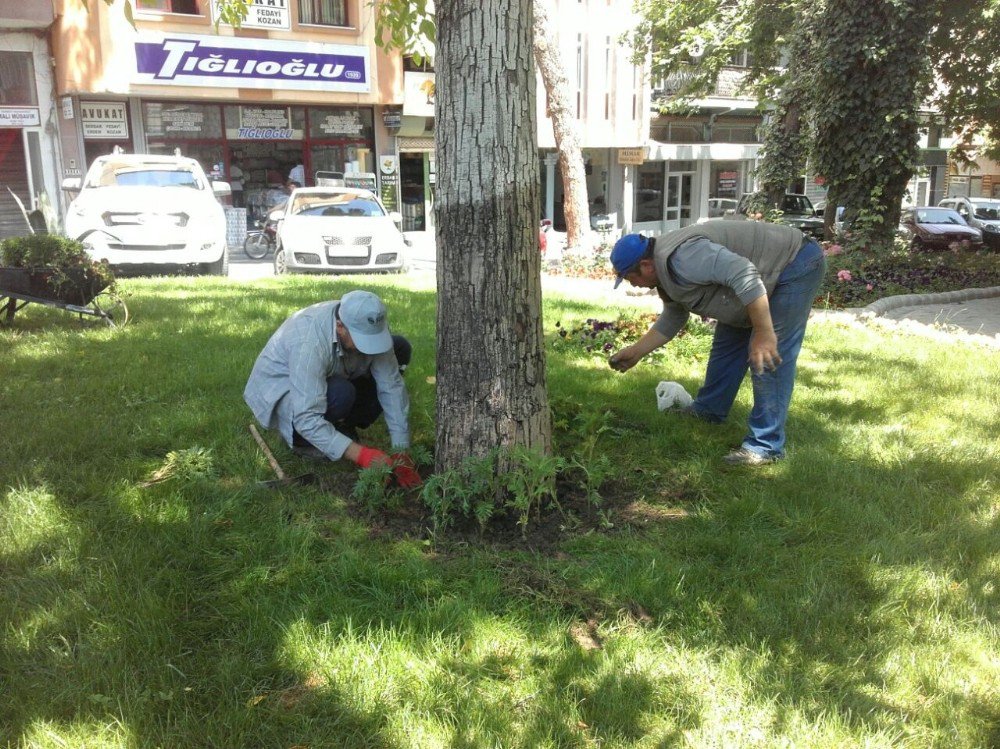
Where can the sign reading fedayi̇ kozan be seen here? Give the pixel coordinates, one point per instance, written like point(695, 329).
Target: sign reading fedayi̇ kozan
point(189, 60)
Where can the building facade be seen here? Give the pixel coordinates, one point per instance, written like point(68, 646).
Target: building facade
point(30, 158)
point(298, 92)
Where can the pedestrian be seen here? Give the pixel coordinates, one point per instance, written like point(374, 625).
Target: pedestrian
point(758, 281)
point(297, 174)
point(329, 371)
point(236, 183)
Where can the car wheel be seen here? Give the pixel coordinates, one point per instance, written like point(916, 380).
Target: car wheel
point(219, 268)
point(280, 265)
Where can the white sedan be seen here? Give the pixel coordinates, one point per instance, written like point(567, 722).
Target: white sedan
point(337, 230)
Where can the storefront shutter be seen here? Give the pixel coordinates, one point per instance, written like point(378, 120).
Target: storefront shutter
point(13, 175)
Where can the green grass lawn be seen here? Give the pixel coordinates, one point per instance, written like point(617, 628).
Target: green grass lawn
point(846, 597)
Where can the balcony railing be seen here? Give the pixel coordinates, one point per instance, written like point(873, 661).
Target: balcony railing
point(726, 87)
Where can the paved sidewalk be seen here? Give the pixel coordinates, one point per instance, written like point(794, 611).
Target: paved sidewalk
point(970, 314)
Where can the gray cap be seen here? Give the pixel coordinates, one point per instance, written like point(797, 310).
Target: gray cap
point(364, 315)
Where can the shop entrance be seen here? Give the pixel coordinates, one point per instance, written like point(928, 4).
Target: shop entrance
point(262, 169)
point(415, 191)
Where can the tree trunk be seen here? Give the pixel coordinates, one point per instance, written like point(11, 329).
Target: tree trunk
point(576, 208)
point(491, 357)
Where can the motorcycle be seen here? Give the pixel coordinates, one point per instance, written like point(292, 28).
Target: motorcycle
point(262, 240)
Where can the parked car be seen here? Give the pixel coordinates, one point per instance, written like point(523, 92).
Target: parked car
point(717, 207)
point(150, 211)
point(337, 230)
point(797, 211)
point(980, 213)
point(937, 229)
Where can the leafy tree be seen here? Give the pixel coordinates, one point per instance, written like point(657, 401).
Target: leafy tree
point(851, 87)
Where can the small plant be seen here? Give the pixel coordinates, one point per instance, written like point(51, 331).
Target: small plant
point(373, 489)
point(531, 480)
point(189, 465)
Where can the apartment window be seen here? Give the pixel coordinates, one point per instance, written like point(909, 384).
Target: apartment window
point(636, 92)
point(323, 12)
point(17, 80)
point(609, 75)
point(741, 59)
point(581, 67)
point(188, 7)
point(410, 65)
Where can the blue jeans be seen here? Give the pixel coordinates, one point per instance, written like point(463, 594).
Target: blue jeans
point(790, 303)
point(353, 404)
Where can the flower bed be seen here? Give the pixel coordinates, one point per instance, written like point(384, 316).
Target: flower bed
point(858, 278)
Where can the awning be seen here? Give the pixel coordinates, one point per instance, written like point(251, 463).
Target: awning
point(699, 151)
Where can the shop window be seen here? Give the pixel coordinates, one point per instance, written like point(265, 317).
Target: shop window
point(182, 121)
point(17, 80)
point(649, 192)
point(323, 12)
point(187, 7)
point(341, 123)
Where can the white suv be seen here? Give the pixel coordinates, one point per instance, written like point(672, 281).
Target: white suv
point(979, 213)
point(150, 210)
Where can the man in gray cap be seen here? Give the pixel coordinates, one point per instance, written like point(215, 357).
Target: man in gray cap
point(758, 281)
point(329, 370)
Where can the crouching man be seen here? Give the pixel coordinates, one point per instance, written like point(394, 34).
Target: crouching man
point(330, 370)
point(758, 281)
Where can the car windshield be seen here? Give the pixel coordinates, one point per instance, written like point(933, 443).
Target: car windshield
point(335, 204)
point(797, 204)
point(938, 216)
point(988, 210)
point(111, 173)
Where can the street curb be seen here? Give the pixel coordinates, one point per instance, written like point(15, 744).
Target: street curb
point(881, 306)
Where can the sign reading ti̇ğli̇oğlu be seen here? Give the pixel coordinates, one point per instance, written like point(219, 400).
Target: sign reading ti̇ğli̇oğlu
point(187, 60)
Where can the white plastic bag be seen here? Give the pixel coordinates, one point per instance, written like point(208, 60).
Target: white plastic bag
point(671, 395)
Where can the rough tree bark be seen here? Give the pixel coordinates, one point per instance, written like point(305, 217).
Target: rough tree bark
point(491, 357)
point(576, 209)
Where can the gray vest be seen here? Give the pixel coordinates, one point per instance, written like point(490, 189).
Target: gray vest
point(770, 247)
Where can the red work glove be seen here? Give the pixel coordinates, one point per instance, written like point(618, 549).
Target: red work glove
point(369, 455)
point(405, 472)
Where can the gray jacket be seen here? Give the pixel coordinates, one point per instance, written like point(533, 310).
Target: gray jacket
point(738, 262)
point(287, 387)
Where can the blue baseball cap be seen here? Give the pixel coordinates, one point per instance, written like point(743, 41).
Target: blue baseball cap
point(627, 253)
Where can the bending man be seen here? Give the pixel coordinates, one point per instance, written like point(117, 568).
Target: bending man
point(758, 281)
point(329, 370)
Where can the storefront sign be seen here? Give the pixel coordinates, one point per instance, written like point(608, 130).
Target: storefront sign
point(631, 156)
point(392, 118)
point(20, 117)
point(390, 188)
point(419, 90)
point(360, 180)
point(727, 182)
point(261, 14)
point(67, 108)
point(188, 60)
point(103, 120)
point(346, 123)
point(388, 164)
point(265, 123)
